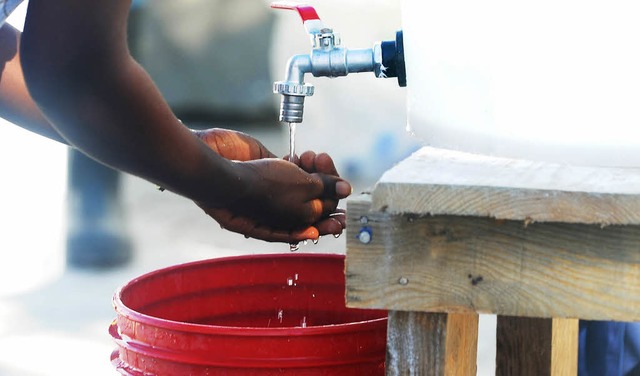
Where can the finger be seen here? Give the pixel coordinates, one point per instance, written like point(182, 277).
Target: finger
point(310, 232)
point(280, 236)
point(296, 159)
point(251, 229)
point(270, 235)
point(307, 161)
point(334, 187)
point(341, 216)
point(324, 163)
point(321, 209)
point(330, 226)
point(317, 208)
point(329, 206)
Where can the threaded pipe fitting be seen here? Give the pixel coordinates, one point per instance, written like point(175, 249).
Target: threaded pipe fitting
point(291, 108)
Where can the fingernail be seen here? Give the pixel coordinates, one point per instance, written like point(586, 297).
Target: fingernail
point(310, 233)
point(343, 189)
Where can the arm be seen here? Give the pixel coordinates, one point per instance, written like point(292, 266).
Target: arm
point(16, 104)
point(80, 73)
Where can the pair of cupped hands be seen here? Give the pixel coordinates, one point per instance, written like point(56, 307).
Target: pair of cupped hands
point(282, 200)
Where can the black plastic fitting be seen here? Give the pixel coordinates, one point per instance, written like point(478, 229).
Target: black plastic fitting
point(393, 59)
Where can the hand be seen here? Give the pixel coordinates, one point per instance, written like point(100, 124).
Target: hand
point(285, 203)
point(233, 145)
point(311, 162)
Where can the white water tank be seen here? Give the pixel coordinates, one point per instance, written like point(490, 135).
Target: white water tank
point(551, 80)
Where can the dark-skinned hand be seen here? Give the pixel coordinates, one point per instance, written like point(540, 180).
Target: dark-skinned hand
point(289, 202)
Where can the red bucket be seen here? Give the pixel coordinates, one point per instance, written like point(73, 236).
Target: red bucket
point(246, 315)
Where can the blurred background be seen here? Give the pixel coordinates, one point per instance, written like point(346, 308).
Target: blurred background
point(73, 231)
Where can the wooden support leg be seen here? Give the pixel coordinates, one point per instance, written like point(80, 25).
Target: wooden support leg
point(536, 347)
point(431, 344)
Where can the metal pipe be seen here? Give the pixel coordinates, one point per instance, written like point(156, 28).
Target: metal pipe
point(327, 59)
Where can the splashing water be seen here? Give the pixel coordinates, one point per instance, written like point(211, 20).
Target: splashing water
point(292, 281)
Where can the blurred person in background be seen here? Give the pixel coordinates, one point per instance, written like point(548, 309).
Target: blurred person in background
point(70, 77)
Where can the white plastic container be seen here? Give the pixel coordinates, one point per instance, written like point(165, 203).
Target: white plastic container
point(554, 80)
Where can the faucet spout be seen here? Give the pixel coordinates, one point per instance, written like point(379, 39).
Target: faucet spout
point(297, 67)
point(293, 89)
point(328, 59)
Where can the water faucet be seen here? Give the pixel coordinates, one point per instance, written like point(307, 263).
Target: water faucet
point(327, 59)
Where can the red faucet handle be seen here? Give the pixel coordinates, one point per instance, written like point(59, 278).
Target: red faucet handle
point(312, 23)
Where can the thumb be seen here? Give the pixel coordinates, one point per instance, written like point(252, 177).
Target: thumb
point(335, 187)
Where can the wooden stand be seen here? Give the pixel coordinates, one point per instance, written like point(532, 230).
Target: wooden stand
point(445, 235)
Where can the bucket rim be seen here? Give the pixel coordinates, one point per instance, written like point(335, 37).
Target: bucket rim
point(123, 310)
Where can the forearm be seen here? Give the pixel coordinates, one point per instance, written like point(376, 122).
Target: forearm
point(80, 73)
point(16, 105)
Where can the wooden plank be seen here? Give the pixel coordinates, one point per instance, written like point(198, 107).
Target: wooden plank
point(468, 264)
point(431, 344)
point(564, 339)
point(435, 181)
point(462, 344)
point(523, 346)
point(536, 347)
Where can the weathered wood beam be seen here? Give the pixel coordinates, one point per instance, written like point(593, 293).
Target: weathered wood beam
point(511, 268)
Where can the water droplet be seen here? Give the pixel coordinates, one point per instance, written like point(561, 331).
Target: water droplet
point(294, 247)
point(289, 281)
point(336, 236)
point(315, 241)
point(303, 323)
point(304, 242)
point(280, 315)
point(403, 281)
